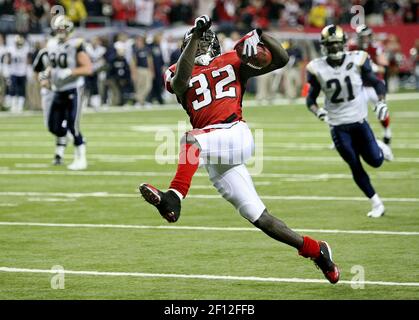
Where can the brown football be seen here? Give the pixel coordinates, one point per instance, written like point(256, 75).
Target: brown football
point(262, 59)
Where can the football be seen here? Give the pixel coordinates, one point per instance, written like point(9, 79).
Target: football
point(262, 59)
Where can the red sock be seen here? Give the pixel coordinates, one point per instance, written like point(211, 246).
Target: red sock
point(310, 248)
point(187, 166)
point(386, 122)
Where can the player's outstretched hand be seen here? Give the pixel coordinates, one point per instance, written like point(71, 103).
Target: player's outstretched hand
point(321, 114)
point(202, 24)
point(250, 43)
point(381, 110)
point(64, 74)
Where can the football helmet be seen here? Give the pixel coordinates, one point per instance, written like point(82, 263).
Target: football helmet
point(333, 41)
point(364, 36)
point(208, 45)
point(62, 27)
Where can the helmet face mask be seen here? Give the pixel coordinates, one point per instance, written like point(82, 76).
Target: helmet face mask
point(334, 50)
point(333, 41)
point(62, 27)
point(19, 41)
point(208, 44)
point(364, 35)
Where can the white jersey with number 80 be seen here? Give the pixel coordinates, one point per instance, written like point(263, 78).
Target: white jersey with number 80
point(62, 56)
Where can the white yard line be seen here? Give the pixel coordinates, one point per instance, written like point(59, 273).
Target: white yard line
point(42, 199)
point(312, 198)
point(152, 125)
point(406, 96)
point(173, 158)
point(142, 144)
point(98, 144)
point(32, 165)
point(135, 134)
point(202, 277)
point(198, 228)
point(405, 175)
point(192, 196)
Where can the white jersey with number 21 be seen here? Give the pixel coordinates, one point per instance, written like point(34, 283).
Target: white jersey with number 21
point(342, 85)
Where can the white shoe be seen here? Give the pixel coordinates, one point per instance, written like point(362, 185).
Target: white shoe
point(388, 154)
point(148, 106)
point(78, 164)
point(377, 211)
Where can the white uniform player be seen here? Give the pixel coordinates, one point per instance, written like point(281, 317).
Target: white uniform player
point(68, 64)
point(96, 53)
point(343, 87)
point(5, 74)
point(63, 57)
point(19, 54)
point(341, 75)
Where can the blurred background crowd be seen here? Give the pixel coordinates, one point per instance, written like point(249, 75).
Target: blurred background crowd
point(132, 42)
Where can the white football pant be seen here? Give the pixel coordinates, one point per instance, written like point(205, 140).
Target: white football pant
point(224, 150)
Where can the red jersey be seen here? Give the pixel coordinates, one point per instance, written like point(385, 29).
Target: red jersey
point(215, 91)
point(374, 51)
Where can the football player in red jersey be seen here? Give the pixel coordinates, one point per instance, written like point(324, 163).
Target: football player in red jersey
point(379, 63)
point(210, 87)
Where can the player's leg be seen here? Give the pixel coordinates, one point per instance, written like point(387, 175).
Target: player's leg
point(168, 203)
point(20, 93)
point(8, 98)
point(57, 125)
point(208, 142)
point(234, 183)
point(47, 97)
point(74, 106)
point(346, 143)
point(13, 93)
point(95, 96)
point(368, 146)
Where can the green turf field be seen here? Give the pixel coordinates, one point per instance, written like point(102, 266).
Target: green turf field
point(88, 222)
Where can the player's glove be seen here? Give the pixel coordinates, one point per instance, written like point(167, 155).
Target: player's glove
point(44, 78)
point(202, 24)
point(43, 75)
point(381, 110)
point(64, 74)
point(250, 43)
point(321, 114)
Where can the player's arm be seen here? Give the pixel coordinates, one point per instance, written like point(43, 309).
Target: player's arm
point(279, 55)
point(368, 75)
point(382, 60)
point(186, 62)
point(314, 92)
point(84, 65)
point(41, 68)
point(38, 64)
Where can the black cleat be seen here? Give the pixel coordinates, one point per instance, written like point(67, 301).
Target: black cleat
point(168, 203)
point(387, 140)
point(58, 161)
point(325, 263)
